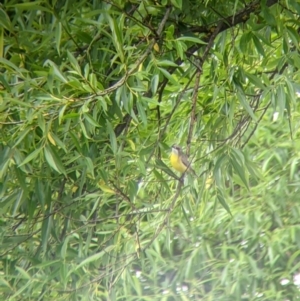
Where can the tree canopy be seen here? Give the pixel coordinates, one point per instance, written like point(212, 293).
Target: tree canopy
point(93, 94)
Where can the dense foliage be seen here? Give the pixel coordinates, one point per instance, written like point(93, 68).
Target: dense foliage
point(92, 96)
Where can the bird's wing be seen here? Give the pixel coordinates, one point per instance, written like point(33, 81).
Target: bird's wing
point(186, 162)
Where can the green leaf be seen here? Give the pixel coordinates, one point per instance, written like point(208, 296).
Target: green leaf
point(1, 44)
point(4, 83)
point(160, 164)
point(281, 99)
point(7, 63)
point(191, 39)
point(168, 76)
point(154, 83)
point(242, 98)
point(223, 202)
point(53, 159)
point(166, 63)
point(95, 257)
point(132, 189)
point(293, 34)
point(180, 49)
point(22, 136)
point(141, 111)
point(268, 16)
point(90, 166)
point(177, 3)
point(63, 250)
point(258, 45)
point(45, 231)
point(91, 120)
point(83, 128)
point(256, 81)
point(58, 36)
point(116, 36)
point(74, 62)
point(112, 136)
point(34, 5)
point(244, 42)
point(23, 273)
point(18, 102)
point(21, 176)
point(4, 20)
point(238, 164)
point(31, 156)
point(56, 71)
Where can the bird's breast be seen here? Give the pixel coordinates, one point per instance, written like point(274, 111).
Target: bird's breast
point(177, 163)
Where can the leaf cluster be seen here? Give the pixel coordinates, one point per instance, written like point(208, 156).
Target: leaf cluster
point(92, 96)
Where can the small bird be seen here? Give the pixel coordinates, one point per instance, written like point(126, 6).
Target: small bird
point(180, 161)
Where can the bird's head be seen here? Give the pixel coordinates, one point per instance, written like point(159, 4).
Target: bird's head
point(176, 149)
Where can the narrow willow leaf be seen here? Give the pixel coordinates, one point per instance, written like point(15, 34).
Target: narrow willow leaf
point(160, 164)
point(61, 113)
point(53, 159)
point(168, 76)
point(242, 98)
point(4, 20)
point(23, 273)
point(180, 49)
point(31, 156)
point(238, 164)
point(95, 257)
point(256, 81)
point(41, 122)
point(18, 102)
point(112, 137)
point(258, 45)
point(89, 166)
point(191, 39)
point(58, 36)
point(91, 120)
point(74, 62)
point(142, 113)
point(21, 176)
point(281, 99)
point(84, 131)
point(154, 83)
point(57, 141)
point(22, 288)
point(223, 202)
point(45, 233)
point(132, 189)
point(63, 250)
point(177, 3)
point(1, 41)
point(8, 63)
point(293, 258)
point(166, 63)
point(59, 75)
point(33, 5)
point(22, 136)
point(244, 42)
point(4, 82)
point(50, 159)
point(116, 37)
point(162, 180)
point(290, 92)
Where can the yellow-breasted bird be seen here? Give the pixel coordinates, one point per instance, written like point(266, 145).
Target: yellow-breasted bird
point(179, 160)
